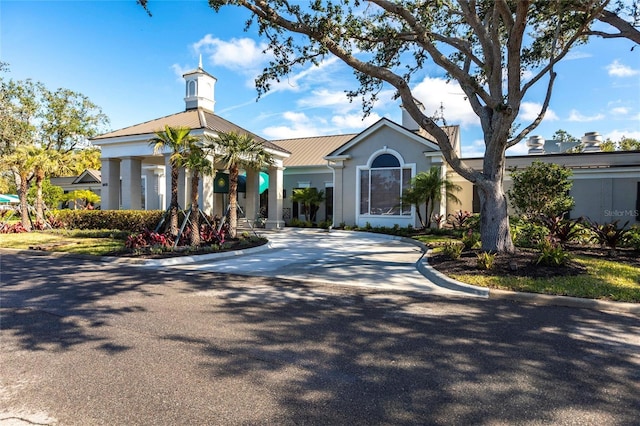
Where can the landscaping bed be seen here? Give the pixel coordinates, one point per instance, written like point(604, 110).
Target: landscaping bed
point(523, 262)
point(241, 243)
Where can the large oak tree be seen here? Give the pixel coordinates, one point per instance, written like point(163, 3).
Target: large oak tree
point(484, 45)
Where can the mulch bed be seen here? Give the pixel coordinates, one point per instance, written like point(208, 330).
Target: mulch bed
point(523, 263)
point(229, 245)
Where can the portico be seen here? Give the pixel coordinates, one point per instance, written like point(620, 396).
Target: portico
point(136, 178)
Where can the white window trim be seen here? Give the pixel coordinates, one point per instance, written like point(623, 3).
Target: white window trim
point(359, 169)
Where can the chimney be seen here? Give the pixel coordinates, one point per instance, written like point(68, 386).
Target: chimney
point(536, 145)
point(591, 142)
point(407, 121)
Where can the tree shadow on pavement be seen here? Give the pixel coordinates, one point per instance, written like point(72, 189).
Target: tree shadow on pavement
point(364, 358)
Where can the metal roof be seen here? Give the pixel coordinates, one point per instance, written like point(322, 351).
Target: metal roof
point(310, 151)
point(193, 118)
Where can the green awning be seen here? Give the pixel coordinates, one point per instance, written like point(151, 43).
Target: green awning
point(9, 199)
point(221, 183)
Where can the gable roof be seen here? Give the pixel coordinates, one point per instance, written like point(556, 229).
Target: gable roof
point(88, 176)
point(310, 151)
point(383, 122)
point(194, 119)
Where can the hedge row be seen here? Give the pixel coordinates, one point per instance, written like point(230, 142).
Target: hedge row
point(124, 220)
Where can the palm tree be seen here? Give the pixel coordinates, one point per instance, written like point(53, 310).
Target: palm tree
point(176, 140)
point(427, 188)
point(236, 151)
point(45, 161)
point(195, 159)
point(310, 198)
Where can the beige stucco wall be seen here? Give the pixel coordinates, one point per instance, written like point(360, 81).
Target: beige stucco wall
point(605, 185)
point(411, 151)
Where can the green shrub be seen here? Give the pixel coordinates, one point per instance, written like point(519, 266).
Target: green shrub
point(632, 239)
point(609, 234)
point(552, 254)
point(530, 234)
point(452, 250)
point(470, 239)
point(562, 230)
point(473, 222)
point(295, 222)
point(124, 220)
point(486, 260)
point(325, 224)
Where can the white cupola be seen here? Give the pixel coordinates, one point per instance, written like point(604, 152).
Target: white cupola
point(199, 89)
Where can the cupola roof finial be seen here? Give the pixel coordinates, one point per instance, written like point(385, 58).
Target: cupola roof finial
point(200, 62)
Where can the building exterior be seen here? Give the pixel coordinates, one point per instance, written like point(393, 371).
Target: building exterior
point(362, 175)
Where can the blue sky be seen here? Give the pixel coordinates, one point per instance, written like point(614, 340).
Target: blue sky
point(131, 66)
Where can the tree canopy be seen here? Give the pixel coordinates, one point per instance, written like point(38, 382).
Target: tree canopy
point(40, 131)
point(484, 45)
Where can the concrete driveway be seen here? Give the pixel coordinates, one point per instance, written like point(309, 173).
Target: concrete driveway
point(339, 257)
point(85, 342)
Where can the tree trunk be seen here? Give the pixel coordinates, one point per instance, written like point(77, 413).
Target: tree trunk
point(494, 218)
point(39, 203)
point(233, 201)
point(419, 215)
point(23, 187)
point(428, 210)
point(195, 210)
point(173, 206)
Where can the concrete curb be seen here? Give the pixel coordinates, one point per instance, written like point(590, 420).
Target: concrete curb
point(182, 260)
point(168, 261)
point(440, 279)
point(444, 281)
point(571, 302)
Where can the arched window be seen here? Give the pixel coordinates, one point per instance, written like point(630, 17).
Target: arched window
point(191, 88)
point(381, 187)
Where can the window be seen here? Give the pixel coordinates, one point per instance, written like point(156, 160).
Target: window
point(191, 88)
point(381, 187)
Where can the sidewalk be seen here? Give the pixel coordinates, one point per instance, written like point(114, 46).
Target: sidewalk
point(362, 259)
point(339, 257)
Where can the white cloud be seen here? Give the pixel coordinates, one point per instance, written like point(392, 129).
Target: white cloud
point(324, 98)
point(620, 111)
point(575, 115)
point(529, 111)
point(354, 121)
point(616, 69)
point(237, 53)
point(616, 135)
point(573, 55)
point(434, 91)
point(475, 149)
point(309, 76)
point(300, 125)
point(180, 71)
point(519, 149)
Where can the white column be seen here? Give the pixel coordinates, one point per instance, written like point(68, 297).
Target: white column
point(184, 189)
point(442, 208)
point(275, 198)
point(110, 193)
point(253, 194)
point(183, 200)
point(131, 169)
point(338, 191)
point(206, 194)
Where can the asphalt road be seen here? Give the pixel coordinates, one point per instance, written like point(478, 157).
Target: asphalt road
point(87, 343)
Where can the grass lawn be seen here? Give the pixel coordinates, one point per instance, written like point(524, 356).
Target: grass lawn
point(605, 279)
point(81, 242)
point(434, 240)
